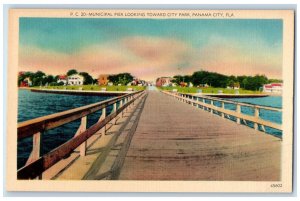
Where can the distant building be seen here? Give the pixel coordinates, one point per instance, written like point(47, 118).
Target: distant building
point(75, 79)
point(63, 79)
point(273, 88)
point(163, 81)
point(103, 79)
point(28, 81)
point(24, 84)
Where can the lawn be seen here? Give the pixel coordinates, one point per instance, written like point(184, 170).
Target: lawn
point(94, 87)
point(208, 90)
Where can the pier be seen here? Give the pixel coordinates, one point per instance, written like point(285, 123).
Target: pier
point(154, 135)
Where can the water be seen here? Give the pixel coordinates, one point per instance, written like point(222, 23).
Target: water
point(272, 116)
point(32, 105)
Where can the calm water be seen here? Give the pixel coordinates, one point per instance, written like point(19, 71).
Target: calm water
point(32, 105)
point(273, 116)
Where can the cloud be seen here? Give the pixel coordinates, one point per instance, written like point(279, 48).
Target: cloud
point(233, 57)
point(152, 57)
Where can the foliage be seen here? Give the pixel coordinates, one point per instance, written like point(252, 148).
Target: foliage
point(72, 72)
point(212, 90)
point(275, 81)
point(217, 80)
point(122, 78)
point(87, 78)
point(95, 88)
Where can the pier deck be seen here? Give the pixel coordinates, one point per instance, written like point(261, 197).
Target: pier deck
point(162, 138)
point(175, 141)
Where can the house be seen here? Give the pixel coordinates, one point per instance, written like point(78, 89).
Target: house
point(75, 79)
point(28, 81)
point(273, 88)
point(103, 79)
point(24, 84)
point(163, 81)
point(63, 79)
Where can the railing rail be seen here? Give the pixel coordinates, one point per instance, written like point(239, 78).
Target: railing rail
point(37, 164)
point(225, 112)
point(234, 102)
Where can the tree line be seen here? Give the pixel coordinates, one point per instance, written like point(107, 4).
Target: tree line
point(40, 78)
point(201, 78)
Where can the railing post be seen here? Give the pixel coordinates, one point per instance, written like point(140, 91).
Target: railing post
point(36, 149)
point(81, 129)
point(203, 100)
point(256, 115)
point(121, 104)
point(132, 97)
point(238, 110)
point(223, 107)
point(102, 117)
point(114, 110)
point(212, 104)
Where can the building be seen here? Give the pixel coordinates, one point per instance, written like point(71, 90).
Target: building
point(75, 79)
point(273, 88)
point(28, 81)
point(163, 81)
point(63, 79)
point(103, 79)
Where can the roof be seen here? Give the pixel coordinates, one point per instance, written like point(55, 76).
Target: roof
point(276, 84)
point(62, 77)
point(269, 86)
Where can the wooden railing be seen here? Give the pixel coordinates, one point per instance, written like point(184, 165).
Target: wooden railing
point(195, 101)
point(37, 164)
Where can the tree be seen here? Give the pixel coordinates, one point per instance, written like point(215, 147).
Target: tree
point(245, 82)
point(254, 83)
point(87, 78)
point(48, 79)
point(95, 81)
point(231, 83)
point(122, 78)
point(38, 78)
point(72, 72)
point(210, 78)
point(275, 81)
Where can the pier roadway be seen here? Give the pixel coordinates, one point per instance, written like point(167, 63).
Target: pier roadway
point(176, 141)
point(161, 138)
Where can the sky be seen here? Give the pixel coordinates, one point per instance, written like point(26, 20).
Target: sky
point(151, 48)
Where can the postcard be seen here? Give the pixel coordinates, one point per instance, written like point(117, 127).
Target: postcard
point(150, 100)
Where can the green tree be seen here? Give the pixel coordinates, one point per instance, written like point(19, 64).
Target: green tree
point(254, 83)
point(38, 78)
point(122, 78)
point(88, 79)
point(72, 72)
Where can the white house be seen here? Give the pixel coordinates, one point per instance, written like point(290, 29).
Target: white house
point(75, 79)
point(273, 88)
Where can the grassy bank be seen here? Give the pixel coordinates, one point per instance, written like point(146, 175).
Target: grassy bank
point(209, 90)
point(94, 87)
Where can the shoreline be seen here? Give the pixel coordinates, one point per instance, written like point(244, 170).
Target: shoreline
point(237, 95)
point(79, 92)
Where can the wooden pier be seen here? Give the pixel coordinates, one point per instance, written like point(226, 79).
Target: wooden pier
point(175, 141)
point(165, 137)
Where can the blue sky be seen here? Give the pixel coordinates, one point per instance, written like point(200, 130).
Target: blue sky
point(151, 48)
